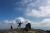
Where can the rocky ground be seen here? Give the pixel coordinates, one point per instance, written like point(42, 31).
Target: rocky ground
point(22, 31)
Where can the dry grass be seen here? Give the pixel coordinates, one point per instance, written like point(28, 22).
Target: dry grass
point(20, 31)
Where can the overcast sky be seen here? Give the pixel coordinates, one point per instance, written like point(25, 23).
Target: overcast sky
point(36, 12)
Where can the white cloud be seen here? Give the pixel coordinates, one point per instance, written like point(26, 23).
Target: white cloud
point(39, 9)
point(43, 12)
point(9, 22)
point(23, 4)
point(20, 19)
point(45, 23)
point(48, 1)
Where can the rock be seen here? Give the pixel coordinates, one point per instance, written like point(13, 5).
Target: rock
point(31, 32)
point(14, 32)
point(9, 32)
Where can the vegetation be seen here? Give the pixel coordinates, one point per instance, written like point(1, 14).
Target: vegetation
point(21, 31)
point(27, 29)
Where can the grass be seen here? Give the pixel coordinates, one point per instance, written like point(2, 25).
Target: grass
point(22, 31)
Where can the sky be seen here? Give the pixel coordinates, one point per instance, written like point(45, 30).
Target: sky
point(36, 12)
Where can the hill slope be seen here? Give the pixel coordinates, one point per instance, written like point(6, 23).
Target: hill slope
point(22, 31)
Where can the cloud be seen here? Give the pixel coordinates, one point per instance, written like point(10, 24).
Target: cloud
point(9, 22)
point(6, 23)
point(46, 21)
point(23, 4)
point(35, 8)
point(44, 24)
point(40, 9)
point(43, 12)
point(20, 19)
